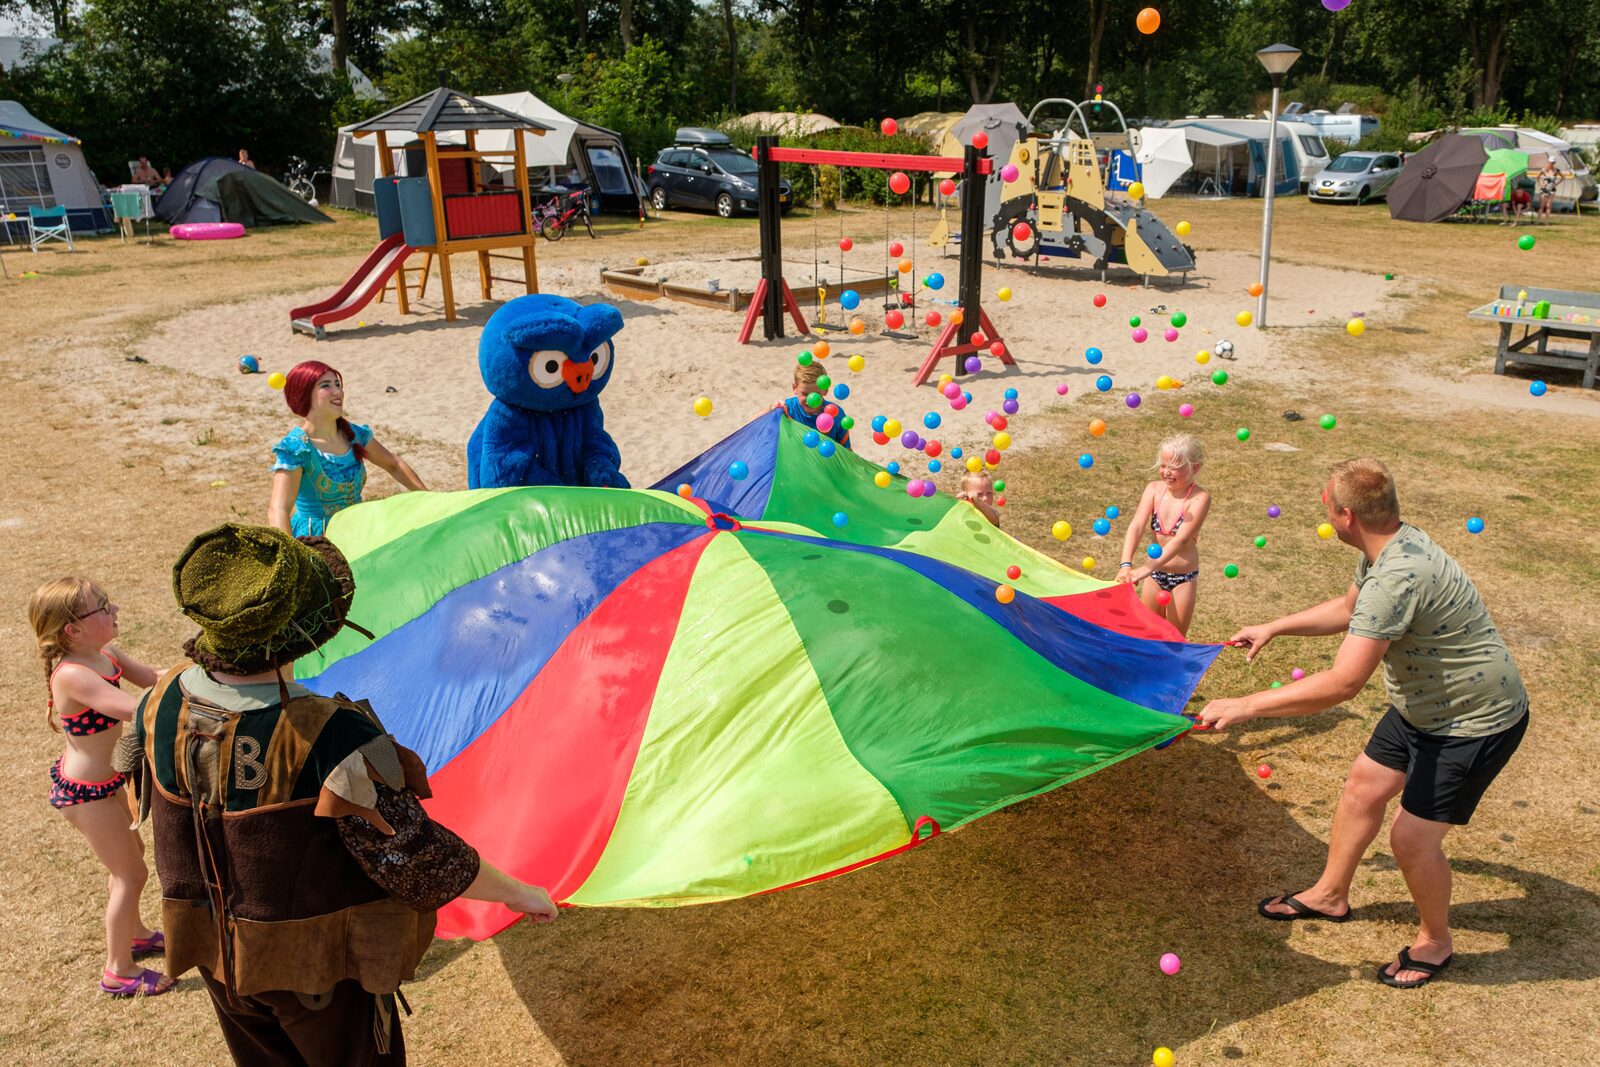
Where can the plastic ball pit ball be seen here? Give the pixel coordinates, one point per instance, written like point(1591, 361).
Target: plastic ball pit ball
point(1063, 389)
point(1112, 511)
point(1086, 461)
point(1170, 963)
point(1004, 594)
point(1263, 771)
point(1202, 357)
point(1005, 293)
point(1260, 541)
point(845, 244)
point(1163, 597)
point(1099, 300)
point(1140, 335)
point(1162, 1057)
point(899, 183)
point(1136, 190)
point(1242, 433)
point(1088, 563)
point(1170, 334)
point(1355, 327)
point(1148, 21)
point(980, 140)
point(1327, 422)
point(1185, 410)
point(1103, 383)
point(1273, 511)
point(685, 491)
point(882, 479)
point(1219, 377)
point(1102, 527)
point(888, 127)
point(1179, 319)
point(1325, 531)
point(1013, 572)
point(738, 470)
point(276, 380)
point(1475, 525)
point(1153, 551)
point(1134, 320)
point(1244, 318)
point(1525, 242)
point(702, 406)
point(1538, 388)
point(1097, 428)
point(1182, 229)
point(1132, 400)
point(1094, 356)
point(1009, 173)
point(1231, 571)
point(947, 187)
point(1061, 530)
point(973, 364)
point(1297, 674)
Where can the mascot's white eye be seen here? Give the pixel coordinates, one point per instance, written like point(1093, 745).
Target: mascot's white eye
point(545, 369)
point(602, 359)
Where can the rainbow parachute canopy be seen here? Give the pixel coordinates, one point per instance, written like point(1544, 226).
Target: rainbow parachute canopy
point(632, 698)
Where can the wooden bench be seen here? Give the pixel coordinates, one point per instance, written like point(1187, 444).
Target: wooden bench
point(1572, 315)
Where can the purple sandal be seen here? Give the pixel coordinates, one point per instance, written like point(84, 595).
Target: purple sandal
point(146, 983)
point(153, 945)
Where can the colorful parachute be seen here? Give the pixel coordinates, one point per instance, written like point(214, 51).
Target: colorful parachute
point(633, 698)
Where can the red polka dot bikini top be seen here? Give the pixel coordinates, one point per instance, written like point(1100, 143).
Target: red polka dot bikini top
point(88, 722)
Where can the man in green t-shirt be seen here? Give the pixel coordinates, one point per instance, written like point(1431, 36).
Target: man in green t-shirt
point(1457, 710)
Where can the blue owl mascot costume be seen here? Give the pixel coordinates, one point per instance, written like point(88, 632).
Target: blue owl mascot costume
point(546, 359)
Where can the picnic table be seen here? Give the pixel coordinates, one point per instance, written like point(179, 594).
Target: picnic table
point(1543, 314)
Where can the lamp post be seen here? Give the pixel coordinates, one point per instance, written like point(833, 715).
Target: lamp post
point(1277, 59)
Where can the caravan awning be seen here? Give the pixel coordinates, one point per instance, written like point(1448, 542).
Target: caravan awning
point(1215, 138)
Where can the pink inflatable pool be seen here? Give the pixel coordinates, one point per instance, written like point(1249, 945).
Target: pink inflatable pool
point(207, 231)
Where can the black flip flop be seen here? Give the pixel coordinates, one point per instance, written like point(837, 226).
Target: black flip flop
point(1430, 971)
point(1301, 911)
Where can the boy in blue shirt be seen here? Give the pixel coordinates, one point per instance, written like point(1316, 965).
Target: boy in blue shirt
point(805, 384)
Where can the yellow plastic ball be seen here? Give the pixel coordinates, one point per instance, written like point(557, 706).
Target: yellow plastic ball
point(882, 479)
point(1325, 531)
point(1162, 1057)
point(685, 491)
point(974, 464)
point(641, 262)
point(1244, 318)
point(1061, 530)
point(1355, 327)
point(1088, 563)
point(277, 380)
point(702, 406)
point(1164, 382)
point(892, 427)
point(1004, 294)
point(1002, 440)
point(857, 362)
point(1005, 594)
point(1136, 190)
point(1202, 357)
point(944, 380)
point(1182, 228)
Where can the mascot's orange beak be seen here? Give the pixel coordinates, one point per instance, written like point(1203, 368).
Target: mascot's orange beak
point(577, 375)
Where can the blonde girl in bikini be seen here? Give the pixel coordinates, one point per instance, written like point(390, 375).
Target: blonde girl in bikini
point(74, 623)
point(1174, 508)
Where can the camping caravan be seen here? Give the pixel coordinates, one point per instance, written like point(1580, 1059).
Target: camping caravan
point(572, 154)
point(42, 167)
point(1230, 157)
point(1342, 125)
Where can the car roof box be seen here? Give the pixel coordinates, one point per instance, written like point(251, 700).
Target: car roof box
point(699, 135)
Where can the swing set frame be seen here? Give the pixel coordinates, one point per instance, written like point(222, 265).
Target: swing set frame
point(773, 299)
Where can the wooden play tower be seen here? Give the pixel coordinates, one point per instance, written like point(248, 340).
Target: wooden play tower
point(449, 210)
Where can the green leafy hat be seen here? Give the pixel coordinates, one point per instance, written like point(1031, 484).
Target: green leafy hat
point(261, 597)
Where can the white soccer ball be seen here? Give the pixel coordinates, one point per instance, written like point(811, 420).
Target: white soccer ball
point(1223, 349)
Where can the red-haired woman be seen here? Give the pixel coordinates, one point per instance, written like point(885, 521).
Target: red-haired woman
point(319, 467)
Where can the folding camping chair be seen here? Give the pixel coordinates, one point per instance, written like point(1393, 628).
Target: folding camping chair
point(49, 224)
point(129, 204)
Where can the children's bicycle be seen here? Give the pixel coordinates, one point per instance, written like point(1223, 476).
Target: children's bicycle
point(560, 213)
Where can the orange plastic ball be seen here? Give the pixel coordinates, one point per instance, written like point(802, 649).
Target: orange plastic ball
point(1097, 427)
point(1148, 21)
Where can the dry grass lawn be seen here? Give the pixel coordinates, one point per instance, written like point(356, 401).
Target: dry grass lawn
point(1032, 936)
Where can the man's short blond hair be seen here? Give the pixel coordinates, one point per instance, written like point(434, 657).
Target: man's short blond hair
point(1366, 487)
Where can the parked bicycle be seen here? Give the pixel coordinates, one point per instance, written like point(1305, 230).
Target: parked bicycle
point(562, 212)
point(301, 179)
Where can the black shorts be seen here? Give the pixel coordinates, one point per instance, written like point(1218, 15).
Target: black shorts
point(1445, 776)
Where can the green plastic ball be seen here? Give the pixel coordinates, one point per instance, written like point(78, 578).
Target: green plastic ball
point(1179, 319)
point(1242, 433)
point(1134, 320)
point(1219, 377)
point(1525, 242)
point(814, 400)
point(1261, 542)
point(804, 359)
point(848, 422)
point(999, 486)
point(1230, 571)
point(824, 383)
point(1327, 422)
point(1275, 685)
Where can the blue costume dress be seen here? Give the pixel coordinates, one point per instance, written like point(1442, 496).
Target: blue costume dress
point(328, 483)
point(797, 411)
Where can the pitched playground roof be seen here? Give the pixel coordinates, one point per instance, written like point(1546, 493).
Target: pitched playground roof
point(446, 109)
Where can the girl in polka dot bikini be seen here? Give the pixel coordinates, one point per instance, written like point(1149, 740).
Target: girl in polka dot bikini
point(74, 623)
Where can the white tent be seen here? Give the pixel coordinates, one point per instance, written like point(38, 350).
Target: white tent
point(548, 151)
point(1163, 156)
point(42, 167)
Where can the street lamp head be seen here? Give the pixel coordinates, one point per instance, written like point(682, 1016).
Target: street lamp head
point(1277, 59)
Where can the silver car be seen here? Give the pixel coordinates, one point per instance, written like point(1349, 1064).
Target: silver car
point(1356, 177)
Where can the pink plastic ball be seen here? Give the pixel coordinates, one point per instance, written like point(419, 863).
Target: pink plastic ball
point(824, 422)
point(1009, 172)
point(1140, 335)
point(1170, 963)
point(952, 390)
point(1171, 334)
point(1297, 674)
point(1063, 389)
point(1185, 410)
point(913, 488)
point(959, 403)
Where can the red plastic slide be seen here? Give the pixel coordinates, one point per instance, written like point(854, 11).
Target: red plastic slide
point(357, 292)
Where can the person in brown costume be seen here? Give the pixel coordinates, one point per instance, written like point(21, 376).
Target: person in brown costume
point(298, 869)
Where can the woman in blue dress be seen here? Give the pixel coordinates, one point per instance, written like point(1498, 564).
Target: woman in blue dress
point(319, 467)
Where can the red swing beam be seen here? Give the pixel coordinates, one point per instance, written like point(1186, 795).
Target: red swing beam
point(773, 299)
